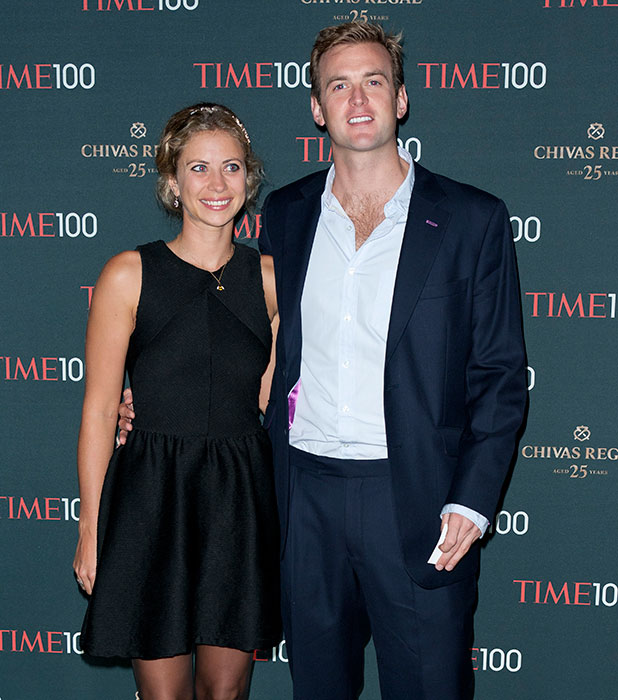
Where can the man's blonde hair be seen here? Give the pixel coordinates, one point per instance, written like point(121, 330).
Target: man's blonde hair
point(355, 33)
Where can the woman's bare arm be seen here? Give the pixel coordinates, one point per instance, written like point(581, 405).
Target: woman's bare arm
point(110, 324)
point(270, 294)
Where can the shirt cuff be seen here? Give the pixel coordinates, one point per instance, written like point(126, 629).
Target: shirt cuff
point(479, 520)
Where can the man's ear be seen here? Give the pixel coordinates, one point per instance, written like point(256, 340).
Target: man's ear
point(402, 102)
point(316, 111)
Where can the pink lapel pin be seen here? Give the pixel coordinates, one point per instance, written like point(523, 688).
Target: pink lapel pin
point(431, 223)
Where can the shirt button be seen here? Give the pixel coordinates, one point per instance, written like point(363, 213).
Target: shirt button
point(346, 444)
point(345, 363)
point(351, 270)
point(346, 409)
point(347, 317)
point(349, 227)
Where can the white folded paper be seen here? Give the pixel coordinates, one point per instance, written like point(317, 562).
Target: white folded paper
point(437, 553)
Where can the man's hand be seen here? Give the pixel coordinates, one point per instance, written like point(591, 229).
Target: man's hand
point(460, 536)
point(126, 413)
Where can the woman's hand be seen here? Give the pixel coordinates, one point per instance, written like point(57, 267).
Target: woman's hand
point(85, 562)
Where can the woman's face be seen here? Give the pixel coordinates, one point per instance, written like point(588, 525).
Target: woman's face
point(211, 179)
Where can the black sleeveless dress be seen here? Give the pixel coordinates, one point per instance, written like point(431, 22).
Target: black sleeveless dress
point(188, 531)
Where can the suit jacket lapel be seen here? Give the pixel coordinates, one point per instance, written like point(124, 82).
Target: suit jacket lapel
point(300, 224)
point(425, 228)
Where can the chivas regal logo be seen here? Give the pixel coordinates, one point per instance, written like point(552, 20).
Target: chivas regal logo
point(140, 154)
point(603, 153)
point(577, 460)
point(362, 13)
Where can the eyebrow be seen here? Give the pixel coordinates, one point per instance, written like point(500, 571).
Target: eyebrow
point(207, 162)
point(368, 74)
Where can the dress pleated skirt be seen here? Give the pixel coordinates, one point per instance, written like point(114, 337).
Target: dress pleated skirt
point(187, 548)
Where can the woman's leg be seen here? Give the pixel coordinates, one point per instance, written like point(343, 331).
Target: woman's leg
point(222, 673)
point(164, 679)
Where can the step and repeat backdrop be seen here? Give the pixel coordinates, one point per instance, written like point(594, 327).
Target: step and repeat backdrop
point(518, 98)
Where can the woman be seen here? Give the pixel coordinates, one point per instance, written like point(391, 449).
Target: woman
point(178, 536)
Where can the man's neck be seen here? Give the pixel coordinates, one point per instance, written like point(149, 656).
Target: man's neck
point(368, 173)
point(364, 183)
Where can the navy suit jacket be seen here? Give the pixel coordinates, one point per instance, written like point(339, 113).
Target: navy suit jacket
point(455, 374)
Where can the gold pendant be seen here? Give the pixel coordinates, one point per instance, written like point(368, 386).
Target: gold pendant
point(220, 288)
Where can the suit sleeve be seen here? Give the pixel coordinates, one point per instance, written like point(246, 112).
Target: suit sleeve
point(496, 391)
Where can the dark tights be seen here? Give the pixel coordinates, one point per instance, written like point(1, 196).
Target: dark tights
point(220, 674)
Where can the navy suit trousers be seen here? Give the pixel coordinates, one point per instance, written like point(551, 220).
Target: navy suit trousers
point(344, 581)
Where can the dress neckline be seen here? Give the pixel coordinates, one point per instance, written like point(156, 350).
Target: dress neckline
point(184, 262)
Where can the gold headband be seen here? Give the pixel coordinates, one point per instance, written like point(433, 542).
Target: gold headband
point(208, 108)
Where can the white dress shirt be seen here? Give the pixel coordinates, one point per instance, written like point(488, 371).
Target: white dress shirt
point(345, 312)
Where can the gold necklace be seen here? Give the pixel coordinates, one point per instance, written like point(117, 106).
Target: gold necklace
point(220, 287)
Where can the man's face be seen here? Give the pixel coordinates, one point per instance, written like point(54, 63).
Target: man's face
point(358, 103)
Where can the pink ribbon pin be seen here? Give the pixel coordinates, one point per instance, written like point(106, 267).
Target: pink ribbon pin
point(292, 398)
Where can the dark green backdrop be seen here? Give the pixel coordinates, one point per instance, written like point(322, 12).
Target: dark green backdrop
point(518, 98)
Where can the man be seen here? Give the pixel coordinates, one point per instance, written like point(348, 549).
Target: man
point(398, 390)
